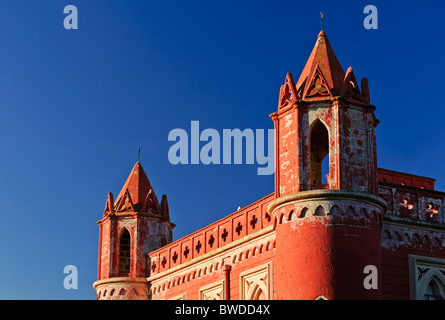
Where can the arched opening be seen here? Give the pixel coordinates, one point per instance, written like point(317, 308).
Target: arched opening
point(433, 291)
point(319, 212)
point(257, 292)
point(259, 295)
point(124, 253)
point(133, 292)
point(319, 156)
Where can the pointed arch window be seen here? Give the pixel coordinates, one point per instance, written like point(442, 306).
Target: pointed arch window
point(427, 278)
point(319, 156)
point(124, 252)
point(256, 283)
point(433, 291)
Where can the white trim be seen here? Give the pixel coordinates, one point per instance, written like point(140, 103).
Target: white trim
point(432, 268)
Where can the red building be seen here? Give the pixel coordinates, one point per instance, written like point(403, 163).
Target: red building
point(361, 232)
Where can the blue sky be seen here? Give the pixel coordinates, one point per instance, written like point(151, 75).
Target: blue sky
point(75, 105)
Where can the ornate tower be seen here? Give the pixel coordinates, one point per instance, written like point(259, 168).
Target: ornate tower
point(328, 217)
point(325, 114)
point(132, 226)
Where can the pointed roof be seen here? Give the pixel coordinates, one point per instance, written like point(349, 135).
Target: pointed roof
point(322, 59)
point(138, 188)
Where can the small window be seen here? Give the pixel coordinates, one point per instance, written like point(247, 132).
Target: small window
point(319, 157)
point(124, 252)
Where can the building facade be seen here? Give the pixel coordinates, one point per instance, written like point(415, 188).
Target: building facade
point(336, 226)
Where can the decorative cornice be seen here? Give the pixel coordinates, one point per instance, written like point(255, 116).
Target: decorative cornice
point(136, 214)
point(326, 195)
point(309, 101)
point(119, 280)
point(420, 224)
point(408, 187)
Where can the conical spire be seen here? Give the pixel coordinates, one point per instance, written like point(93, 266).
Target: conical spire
point(137, 192)
point(323, 72)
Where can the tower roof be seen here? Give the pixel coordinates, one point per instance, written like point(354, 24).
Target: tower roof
point(137, 191)
point(323, 60)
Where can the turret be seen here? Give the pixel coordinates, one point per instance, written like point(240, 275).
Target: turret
point(326, 182)
point(132, 226)
point(325, 116)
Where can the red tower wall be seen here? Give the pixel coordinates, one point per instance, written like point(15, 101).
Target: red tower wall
point(325, 239)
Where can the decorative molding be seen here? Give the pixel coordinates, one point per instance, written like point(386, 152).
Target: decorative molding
point(214, 291)
point(125, 203)
point(421, 271)
point(258, 235)
point(198, 240)
point(288, 92)
point(200, 268)
point(317, 86)
point(121, 288)
point(180, 297)
point(255, 281)
point(420, 224)
point(350, 86)
point(326, 195)
point(119, 280)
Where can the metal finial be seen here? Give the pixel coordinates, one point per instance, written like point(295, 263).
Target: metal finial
point(321, 14)
point(139, 154)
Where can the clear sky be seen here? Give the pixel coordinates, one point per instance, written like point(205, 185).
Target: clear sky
point(75, 105)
